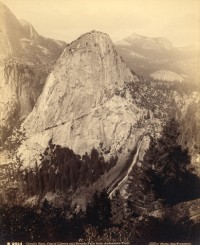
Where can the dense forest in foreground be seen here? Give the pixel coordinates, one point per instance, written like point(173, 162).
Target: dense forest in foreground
point(163, 182)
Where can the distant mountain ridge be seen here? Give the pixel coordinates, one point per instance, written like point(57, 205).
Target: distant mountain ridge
point(16, 35)
point(159, 43)
point(145, 55)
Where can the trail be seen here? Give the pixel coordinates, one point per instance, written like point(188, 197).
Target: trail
point(124, 177)
point(92, 110)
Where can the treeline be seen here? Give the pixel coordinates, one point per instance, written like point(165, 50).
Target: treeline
point(166, 176)
point(98, 223)
point(168, 168)
point(61, 169)
point(51, 224)
point(164, 179)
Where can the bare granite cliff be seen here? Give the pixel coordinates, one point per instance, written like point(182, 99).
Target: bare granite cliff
point(25, 61)
point(83, 104)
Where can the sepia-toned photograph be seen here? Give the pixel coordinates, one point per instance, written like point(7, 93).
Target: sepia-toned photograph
point(100, 122)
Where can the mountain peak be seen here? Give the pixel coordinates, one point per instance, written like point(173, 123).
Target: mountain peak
point(93, 37)
point(18, 36)
point(81, 106)
point(6, 15)
point(165, 43)
point(10, 30)
point(95, 42)
point(135, 36)
point(95, 32)
point(3, 6)
point(146, 43)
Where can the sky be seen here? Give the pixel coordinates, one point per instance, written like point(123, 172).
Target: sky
point(177, 20)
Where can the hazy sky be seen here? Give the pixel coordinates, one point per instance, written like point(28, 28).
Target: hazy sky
point(178, 20)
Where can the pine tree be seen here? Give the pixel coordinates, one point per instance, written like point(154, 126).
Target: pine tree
point(164, 177)
point(98, 212)
point(167, 167)
point(104, 210)
point(118, 209)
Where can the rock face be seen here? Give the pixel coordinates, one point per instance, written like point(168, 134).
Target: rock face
point(19, 91)
point(25, 60)
point(10, 32)
point(18, 35)
point(189, 120)
point(84, 103)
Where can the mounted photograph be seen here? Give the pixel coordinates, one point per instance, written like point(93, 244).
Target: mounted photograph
point(100, 122)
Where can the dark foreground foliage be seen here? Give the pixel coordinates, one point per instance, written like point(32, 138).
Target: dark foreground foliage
point(50, 224)
point(164, 180)
point(166, 177)
point(168, 168)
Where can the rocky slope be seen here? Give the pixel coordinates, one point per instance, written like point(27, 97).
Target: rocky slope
point(11, 32)
point(165, 100)
point(25, 61)
point(19, 91)
point(190, 125)
point(163, 62)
